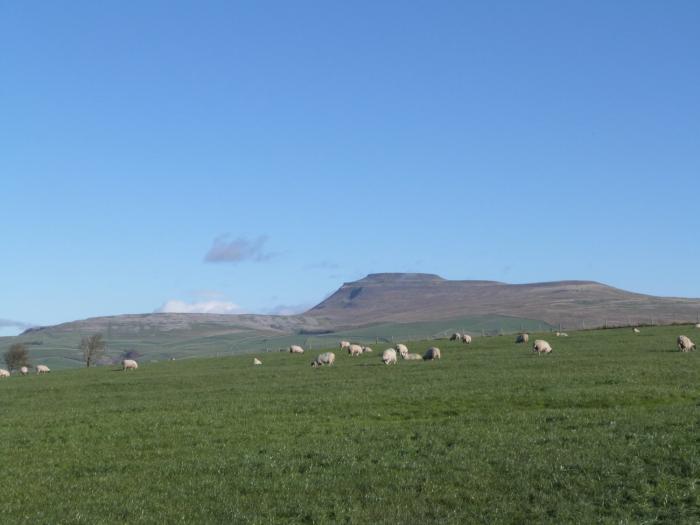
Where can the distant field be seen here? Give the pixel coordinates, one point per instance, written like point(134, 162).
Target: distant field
point(61, 349)
point(476, 325)
point(604, 430)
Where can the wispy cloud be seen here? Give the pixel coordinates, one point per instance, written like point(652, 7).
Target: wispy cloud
point(287, 309)
point(9, 323)
point(225, 249)
point(200, 307)
point(9, 327)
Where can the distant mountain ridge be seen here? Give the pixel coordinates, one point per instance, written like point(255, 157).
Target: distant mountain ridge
point(172, 322)
point(383, 306)
point(414, 297)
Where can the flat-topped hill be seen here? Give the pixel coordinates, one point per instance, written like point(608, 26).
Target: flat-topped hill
point(381, 306)
point(400, 297)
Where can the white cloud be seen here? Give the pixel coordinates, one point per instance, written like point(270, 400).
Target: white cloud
point(200, 307)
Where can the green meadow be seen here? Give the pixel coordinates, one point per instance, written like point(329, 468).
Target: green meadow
point(606, 429)
point(61, 349)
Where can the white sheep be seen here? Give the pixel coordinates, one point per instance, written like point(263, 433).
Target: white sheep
point(401, 349)
point(389, 356)
point(4, 373)
point(697, 325)
point(327, 358)
point(344, 345)
point(522, 338)
point(541, 347)
point(24, 370)
point(636, 330)
point(412, 357)
point(456, 337)
point(129, 364)
point(256, 361)
point(562, 334)
point(432, 353)
point(296, 349)
point(42, 369)
point(685, 344)
point(354, 350)
point(467, 339)
point(366, 349)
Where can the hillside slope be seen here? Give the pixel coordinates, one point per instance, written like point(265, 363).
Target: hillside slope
point(145, 324)
point(376, 309)
point(400, 297)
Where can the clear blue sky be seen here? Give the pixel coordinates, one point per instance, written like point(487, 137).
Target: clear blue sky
point(246, 155)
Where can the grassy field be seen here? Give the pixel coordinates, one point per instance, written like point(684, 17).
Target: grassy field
point(606, 429)
point(60, 349)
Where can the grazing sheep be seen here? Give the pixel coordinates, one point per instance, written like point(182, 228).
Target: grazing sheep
point(522, 338)
point(685, 344)
point(697, 325)
point(562, 334)
point(4, 373)
point(296, 349)
point(129, 364)
point(401, 349)
point(327, 358)
point(344, 345)
point(432, 353)
point(354, 350)
point(541, 347)
point(456, 337)
point(412, 357)
point(389, 356)
point(24, 370)
point(256, 361)
point(366, 349)
point(467, 339)
point(42, 369)
point(636, 330)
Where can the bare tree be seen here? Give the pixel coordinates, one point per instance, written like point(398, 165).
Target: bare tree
point(17, 356)
point(93, 347)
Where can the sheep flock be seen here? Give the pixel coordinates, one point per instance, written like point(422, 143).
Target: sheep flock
point(390, 356)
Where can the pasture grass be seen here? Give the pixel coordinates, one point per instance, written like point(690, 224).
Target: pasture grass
point(61, 349)
point(606, 429)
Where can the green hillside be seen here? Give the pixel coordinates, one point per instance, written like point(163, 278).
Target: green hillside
point(602, 430)
point(60, 349)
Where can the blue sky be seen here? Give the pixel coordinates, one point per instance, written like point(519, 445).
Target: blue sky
point(252, 156)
